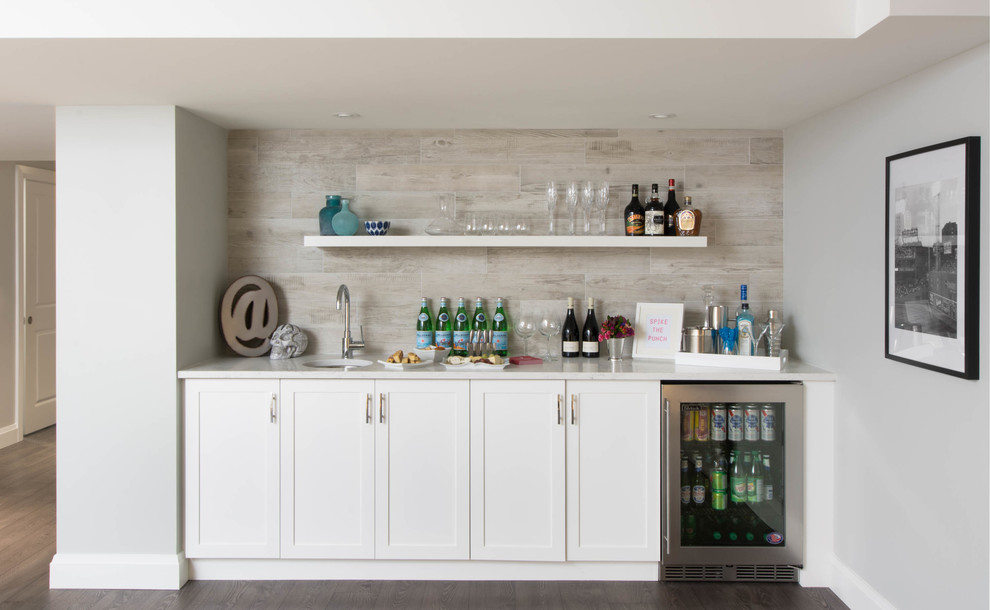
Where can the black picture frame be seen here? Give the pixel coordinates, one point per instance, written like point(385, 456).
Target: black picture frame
point(932, 273)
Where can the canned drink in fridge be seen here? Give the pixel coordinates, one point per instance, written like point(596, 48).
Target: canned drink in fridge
point(701, 430)
point(735, 423)
point(768, 423)
point(718, 427)
point(751, 423)
point(687, 423)
point(720, 500)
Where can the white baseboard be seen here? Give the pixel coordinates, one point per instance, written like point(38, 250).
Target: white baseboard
point(379, 569)
point(113, 571)
point(854, 591)
point(9, 435)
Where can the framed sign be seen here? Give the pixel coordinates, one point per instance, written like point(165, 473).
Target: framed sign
point(932, 257)
point(658, 330)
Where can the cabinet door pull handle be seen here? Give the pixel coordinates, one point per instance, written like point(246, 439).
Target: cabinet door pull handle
point(367, 413)
point(381, 408)
point(573, 409)
point(272, 409)
point(560, 409)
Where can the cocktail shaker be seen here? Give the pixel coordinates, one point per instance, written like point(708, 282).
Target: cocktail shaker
point(716, 319)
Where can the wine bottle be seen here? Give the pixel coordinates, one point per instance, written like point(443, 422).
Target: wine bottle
point(500, 330)
point(444, 332)
point(570, 338)
point(670, 210)
point(634, 214)
point(462, 330)
point(424, 326)
point(589, 335)
point(653, 223)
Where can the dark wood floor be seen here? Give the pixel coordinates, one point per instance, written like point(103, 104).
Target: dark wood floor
point(27, 543)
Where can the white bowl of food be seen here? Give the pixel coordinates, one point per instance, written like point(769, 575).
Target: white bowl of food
point(431, 354)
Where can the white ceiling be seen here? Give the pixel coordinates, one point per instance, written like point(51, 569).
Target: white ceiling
point(466, 82)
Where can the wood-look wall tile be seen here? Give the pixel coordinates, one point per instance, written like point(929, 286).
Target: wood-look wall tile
point(546, 149)
point(620, 178)
point(700, 133)
point(404, 260)
point(521, 285)
point(259, 205)
point(556, 134)
point(242, 149)
point(267, 232)
point(259, 178)
point(744, 231)
point(480, 177)
point(465, 148)
point(327, 178)
point(736, 191)
point(724, 258)
point(766, 150)
point(253, 260)
point(669, 149)
point(568, 260)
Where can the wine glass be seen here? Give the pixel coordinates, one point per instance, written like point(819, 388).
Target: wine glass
point(551, 203)
point(549, 328)
point(571, 197)
point(525, 328)
point(587, 202)
point(601, 207)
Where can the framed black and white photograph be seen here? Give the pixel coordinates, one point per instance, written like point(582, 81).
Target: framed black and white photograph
point(933, 248)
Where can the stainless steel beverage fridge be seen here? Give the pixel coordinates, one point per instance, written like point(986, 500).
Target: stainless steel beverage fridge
point(733, 490)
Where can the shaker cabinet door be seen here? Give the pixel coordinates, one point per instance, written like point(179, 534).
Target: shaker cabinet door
point(517, 470)
point(422, 469)
point(328, 469)
point(613, 471)
point(231, 468)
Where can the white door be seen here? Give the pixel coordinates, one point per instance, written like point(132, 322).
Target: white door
point(422, 476)
point(231, 455)
point(517, 470)
point(613, 471)
point(328, 468)
point(36, 209)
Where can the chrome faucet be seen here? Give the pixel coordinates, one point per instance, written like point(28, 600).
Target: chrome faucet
point(346, 345)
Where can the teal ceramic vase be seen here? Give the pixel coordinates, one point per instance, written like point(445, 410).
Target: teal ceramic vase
point(327, 214)
point(345, 222)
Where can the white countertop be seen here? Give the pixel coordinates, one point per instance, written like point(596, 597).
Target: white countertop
point(576, 368)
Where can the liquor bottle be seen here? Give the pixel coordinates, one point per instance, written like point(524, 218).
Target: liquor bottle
point(754, 480)
point(634, 214)
point(767, 479)
point(589, 335)
point(653, 222)
point(720, 482)
point(500, 330)
point(444, 332)
point(698, 485)
point(685, 483)
point(670, 210)
point(479, 321)
point(744, 325)
point(737, 481)
point(462, 330)
point(570, 337)
point(424, 326)
point(688, 219)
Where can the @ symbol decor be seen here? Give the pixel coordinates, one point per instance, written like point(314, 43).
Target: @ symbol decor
point(932, 257)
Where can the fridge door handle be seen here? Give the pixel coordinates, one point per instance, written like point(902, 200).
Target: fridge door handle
point(667, 495)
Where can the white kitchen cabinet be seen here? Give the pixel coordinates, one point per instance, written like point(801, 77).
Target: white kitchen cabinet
point(517, 470)
point(231, 465)
point(422, 469)
point(328, 469)
point(611, 458)
point(613, 471)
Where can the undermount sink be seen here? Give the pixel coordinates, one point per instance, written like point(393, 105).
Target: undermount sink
point(337, 363)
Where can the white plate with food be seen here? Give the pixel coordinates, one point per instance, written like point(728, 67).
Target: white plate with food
point(464, 362)
point(400, 366)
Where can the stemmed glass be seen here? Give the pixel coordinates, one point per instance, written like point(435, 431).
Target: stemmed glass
point(601, 207)
point(551, 203)
point(549, 328)
point(525, 328)
point(587, 202)
point(572, 200)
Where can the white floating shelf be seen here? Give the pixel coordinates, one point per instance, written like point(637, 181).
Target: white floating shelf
point(501, 241)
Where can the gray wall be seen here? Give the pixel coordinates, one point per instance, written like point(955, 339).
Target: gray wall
point(278, 180)
point(8, 287)
point(912, 451)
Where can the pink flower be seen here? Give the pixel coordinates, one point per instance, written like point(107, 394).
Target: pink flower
point(616, 327)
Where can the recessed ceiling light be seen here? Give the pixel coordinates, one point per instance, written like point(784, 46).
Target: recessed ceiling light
point(661, 115)
point(347, 115)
